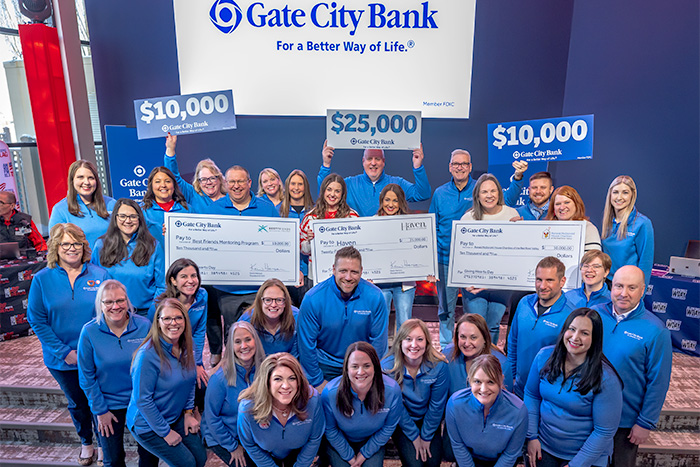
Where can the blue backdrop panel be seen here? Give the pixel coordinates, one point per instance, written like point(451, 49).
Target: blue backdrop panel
point(131, 160)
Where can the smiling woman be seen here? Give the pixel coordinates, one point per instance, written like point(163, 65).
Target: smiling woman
point(162, 195)
point(573, 396)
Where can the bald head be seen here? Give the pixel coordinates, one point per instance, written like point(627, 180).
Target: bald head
point(373, 163)
point(627, 289)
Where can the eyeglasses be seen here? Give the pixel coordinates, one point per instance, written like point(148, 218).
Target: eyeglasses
point(237, 182)
point(595, 267)
point(110, 303)
point(124, 217)
point(461, 165)
point(207, 180)
point(278, 301)
point(67, 246)
point(171, 319)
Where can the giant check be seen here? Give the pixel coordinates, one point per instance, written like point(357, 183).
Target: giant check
point(394, 248)
point(235, 250)
point(504, 255)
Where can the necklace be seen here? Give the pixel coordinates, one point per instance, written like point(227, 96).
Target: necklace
point(283, 413)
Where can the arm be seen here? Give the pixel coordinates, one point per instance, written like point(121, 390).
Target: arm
point(514, 448)
point(607, 408)
point(381, 437)
point(245, 436)
point(306, 234)
point(418, 191)
point(335, 437)
point(459, 447)
point(408, 426)
point(438, 399)
point(379, 334)
point(170, 161)
point(310, 449)
point(158, 270)
point(512, 194)
point(533, 399)
point(325, 169)
point(644, 245)
point(307, 340)
point(144, 378)
point(213, 403)
point(87, 375)
point(657, 374)
point(199, 331)
point(513, 347)
point(35, 237)
point(38, 317)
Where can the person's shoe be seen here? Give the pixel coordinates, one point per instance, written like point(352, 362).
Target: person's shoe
point(215, 359)
point(100, 458)
point(87, 460)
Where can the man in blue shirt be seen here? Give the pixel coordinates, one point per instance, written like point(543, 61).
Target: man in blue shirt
point(230, 301)
point(364, 189)
point(539, 191)
point(450, 201)
point(337, 312)
point(639, 347)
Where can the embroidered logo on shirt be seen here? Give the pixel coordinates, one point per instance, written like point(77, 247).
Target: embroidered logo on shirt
point(264, 425)
point(500, 426)
point(633, 336)
point(550, 324)
point(302, 422)
point(363, 312)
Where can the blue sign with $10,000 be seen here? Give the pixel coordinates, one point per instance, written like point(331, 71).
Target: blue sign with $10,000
point(179, 115)
point(550, 139)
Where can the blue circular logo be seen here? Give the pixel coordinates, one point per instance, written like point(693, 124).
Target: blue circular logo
point(321, 229)
point(178, 223)
point(464, 230)
point(226, 15)
point(139, 171)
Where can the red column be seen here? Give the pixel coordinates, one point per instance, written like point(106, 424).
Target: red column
point(47, 93)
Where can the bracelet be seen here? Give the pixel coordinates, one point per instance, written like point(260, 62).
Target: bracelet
point(189, 412)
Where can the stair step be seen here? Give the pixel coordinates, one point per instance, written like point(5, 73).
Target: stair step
point(37, 396)
point(670, 449)
point(21, 455)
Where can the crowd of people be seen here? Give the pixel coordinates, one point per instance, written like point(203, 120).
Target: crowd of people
point(306, 375)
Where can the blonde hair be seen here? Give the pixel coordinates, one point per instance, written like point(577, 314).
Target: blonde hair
point(229, 360)
point(56, 237)
point(489, 365)
point(273, 172)
point(213, 168)
point(287, 199)
point(109, 284)
point(431, 355)
point(259, 391)
point(609, 213)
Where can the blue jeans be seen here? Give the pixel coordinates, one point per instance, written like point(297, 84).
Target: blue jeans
point(407, 452)
point(492, 307)
point(113, 445)
point(334, 459)
point(78, 405)
point(225, 455)
point(447, 302)
point(330, 372)
point(190, 452)
point(403, 301)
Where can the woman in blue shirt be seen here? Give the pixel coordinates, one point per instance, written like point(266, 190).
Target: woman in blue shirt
point(362, 407)
point(280, 417)
point(422, 373)
point(85, 206)
point(131, 255)
point(270, 186)
point(487, 424)
point(594, 267)
point(628, 236)
point(182, 282)
point(160, 412)
point(162, 195)
point(296, 202)
point(105, 349)
point(242, 356)
point(574, 397)
point(61, 301)
point(274, 318)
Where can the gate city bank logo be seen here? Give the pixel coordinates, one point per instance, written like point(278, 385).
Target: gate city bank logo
point(227, 15)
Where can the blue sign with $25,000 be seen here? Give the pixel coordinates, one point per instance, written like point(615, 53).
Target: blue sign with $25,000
point(550, 139)
point(179, 115)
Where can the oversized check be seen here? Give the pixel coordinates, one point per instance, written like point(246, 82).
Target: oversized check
point(235, 250)
point(394, 248)
point(504, 255)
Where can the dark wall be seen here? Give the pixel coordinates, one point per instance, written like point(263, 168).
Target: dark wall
point(635, 68)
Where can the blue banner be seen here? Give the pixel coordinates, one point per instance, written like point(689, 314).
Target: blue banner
point(550, 139)
point(131, 161)
point(180, 115)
